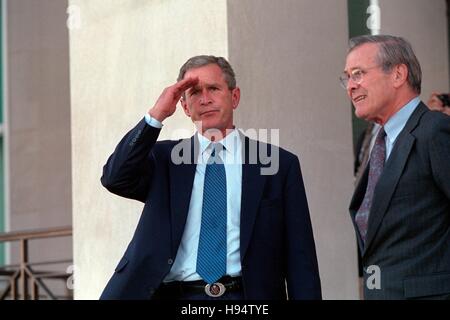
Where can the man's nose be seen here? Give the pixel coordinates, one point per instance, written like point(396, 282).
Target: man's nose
point(351, 85)
point(205, 97)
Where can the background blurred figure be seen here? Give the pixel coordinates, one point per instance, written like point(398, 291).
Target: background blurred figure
point(439, 102)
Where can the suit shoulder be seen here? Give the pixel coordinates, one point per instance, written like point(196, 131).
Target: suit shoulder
point(433, 122)
point(436, 117)
point(165, 145)
point(290, 156)
point(273, 150)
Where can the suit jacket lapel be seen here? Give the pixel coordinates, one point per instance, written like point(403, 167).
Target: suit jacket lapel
point(392, 172)
point(252, 190)
point(181, 183)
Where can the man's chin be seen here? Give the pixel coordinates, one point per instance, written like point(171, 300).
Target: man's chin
point(359, 113)
point(207, 125)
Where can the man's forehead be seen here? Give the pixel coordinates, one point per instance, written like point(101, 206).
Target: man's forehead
point(205, 75)
point(361, 57)
point(207, 82)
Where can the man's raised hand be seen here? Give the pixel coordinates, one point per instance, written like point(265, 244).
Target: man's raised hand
point(166, 104)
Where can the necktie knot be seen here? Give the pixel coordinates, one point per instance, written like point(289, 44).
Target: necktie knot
point(381, 136)
point(216, 148)
point(378, 154)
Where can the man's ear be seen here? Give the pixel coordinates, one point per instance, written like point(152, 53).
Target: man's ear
point(400, 75)
point(185, 106)
point(235, 97)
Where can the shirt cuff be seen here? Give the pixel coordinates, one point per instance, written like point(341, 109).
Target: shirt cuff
point(152, 121)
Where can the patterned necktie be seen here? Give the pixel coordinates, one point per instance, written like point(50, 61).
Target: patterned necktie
point(376, 164)
point(212, 246)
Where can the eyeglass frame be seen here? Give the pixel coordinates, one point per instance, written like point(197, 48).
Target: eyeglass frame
point(344, 77)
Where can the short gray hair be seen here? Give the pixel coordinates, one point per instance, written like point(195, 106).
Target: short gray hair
point(392, 52)
point(200, 61)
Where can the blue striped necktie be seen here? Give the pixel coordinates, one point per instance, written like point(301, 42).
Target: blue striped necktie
point(212, 246)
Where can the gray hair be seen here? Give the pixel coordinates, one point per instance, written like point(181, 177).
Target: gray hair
point(200, 61)
point(392, 52)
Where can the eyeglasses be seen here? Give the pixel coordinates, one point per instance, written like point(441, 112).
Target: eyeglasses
point(356, 75)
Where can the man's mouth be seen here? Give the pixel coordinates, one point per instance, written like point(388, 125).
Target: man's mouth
point(208, 112)
point(359, 98)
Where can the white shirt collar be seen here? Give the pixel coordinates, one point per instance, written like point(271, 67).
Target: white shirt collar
point(397, 122)
point(232, 147)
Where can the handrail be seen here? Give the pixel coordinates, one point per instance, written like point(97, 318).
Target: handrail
point(23, 272)
point(35, 234)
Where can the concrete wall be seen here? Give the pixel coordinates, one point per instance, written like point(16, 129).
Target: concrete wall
point(38, 123)
point(288, 73)
point(122, 56)
point(424, 24)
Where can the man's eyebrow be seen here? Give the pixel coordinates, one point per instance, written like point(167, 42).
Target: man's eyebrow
point(193, 88)
point(351, 69)
point(208, 85)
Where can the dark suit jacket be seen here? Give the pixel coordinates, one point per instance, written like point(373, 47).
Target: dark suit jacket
point(276, 239)
point(408, 234)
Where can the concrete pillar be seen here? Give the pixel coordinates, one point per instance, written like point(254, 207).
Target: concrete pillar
point(123, 53)
point(288, 55)
point(424, 24)
point(38, 123)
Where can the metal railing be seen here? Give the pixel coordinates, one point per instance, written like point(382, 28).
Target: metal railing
point(20, 276)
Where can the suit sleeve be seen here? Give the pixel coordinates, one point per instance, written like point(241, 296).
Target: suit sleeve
point(303, 279)
point(128, 170)
point(440, 154)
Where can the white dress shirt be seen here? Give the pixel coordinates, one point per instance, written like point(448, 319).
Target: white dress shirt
point(184, 266)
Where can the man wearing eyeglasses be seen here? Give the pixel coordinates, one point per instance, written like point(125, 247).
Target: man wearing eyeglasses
point(401, 206)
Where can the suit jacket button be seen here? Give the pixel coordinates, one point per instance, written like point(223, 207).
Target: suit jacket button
point(170, 261)
point(151, 291)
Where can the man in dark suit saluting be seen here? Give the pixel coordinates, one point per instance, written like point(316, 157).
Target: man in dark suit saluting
point(401, 207)
point(218, 222)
